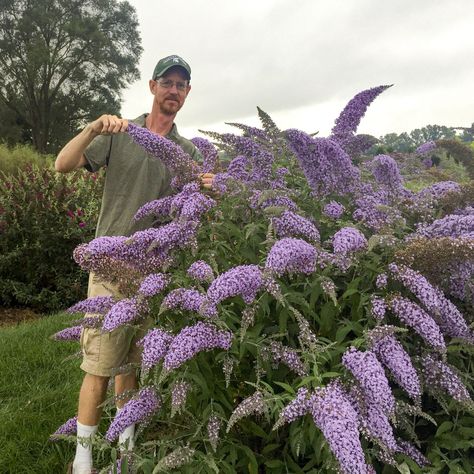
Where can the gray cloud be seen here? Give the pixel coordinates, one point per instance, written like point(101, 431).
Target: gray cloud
point(286, 54)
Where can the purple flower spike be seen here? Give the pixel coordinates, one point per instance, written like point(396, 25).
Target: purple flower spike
point(155, 346)
point(415, 317)
point(194, 339)
point(290, 224)
point(370, 374)
point(426, 148)
point(440, 376)
point(69, 334)
point(289, 357)
point(171, 154)
point(444, 312)
point(123, 312)
point(182, 298)
point(348, 121)
point(327, 167)
point(291, 256)
point(95, 305)
point(378, 308)
point(252, 404)
point(410, 450)
point(386, 172)
point(392, 355)
point(154, 284)
point(243, 280)
point(333, 210)
point(297, 408)
point(136, 410)
point(348, 239)
point(209, 153)
point(157, 208)
point(335, 416)
point(68, 428)
point(201, 271)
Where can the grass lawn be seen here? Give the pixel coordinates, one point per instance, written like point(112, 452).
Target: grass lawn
point(38, 392)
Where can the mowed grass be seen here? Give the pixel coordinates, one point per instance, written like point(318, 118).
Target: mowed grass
point(39, 385)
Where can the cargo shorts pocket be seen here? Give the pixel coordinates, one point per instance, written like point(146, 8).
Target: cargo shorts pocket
point(90, 343)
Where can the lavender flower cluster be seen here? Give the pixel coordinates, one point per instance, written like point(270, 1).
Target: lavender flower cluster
point(333, 210)
point(208, 152)
point(188, 299)
point(348, 240)
point(444, 312)
point(193, 339)
point(290, 224)
point(393, 356)
point(348, 121)
point(179, 162)
point(327, 167)
point(135, 410)
point(291, 256)
point(201, 271)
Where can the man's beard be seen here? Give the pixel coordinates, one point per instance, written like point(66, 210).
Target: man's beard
point(168, 109)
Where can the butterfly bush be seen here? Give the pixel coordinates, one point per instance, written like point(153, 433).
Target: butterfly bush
point(289, 224)
point(68, 428)
point(438, 375)
point(335, 416)
point(194, 339)
point(171, 154)
point(443, 311)
point(201, 271)
point(282, 293)
point(426, 147)
point(155, 346)
point(136, 410)
point(393, 356)
point(334, 210)
point(348, 239)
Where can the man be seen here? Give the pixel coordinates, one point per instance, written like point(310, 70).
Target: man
point(133, 178)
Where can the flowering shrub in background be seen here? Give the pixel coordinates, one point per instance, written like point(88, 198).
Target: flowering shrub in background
point(44, 215)
point(294, 332)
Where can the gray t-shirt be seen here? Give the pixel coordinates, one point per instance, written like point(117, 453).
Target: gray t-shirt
point(133, 178)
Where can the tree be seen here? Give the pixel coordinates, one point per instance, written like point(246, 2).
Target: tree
point(431, 132)
point(64, 62)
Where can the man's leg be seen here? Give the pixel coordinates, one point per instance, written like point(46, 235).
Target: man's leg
point(91, 397)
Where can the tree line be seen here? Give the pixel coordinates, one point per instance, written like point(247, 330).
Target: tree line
point(63, 63)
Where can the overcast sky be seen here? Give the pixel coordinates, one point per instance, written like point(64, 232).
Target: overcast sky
point(302, 60)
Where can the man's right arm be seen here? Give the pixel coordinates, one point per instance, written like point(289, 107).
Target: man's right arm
point(71, 157)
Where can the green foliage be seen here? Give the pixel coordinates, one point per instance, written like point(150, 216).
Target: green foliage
point(13, 159)
point(238, 234)
point(63, 63)
point(44, 215)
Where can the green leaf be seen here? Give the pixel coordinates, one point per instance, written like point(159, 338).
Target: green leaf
point(286, 386)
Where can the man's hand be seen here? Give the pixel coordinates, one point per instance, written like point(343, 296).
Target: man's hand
point(108, 125)
point(206, 180)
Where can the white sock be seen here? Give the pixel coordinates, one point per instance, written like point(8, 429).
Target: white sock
point(126, 439)
point(83, 461)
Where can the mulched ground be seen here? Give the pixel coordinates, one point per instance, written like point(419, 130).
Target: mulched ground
point(13, 316)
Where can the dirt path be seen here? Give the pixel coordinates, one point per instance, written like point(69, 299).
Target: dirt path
point(12, 316)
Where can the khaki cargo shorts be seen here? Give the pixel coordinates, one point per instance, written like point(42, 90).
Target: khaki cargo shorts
point(105, 351)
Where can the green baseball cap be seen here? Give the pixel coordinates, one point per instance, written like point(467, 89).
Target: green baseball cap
point(171, 61)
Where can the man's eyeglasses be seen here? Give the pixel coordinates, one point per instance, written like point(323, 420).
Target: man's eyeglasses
point(168, 84)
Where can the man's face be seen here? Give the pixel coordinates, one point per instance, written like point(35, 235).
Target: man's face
point(168, 91)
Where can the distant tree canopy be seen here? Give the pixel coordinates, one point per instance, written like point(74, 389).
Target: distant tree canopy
point(63, 63)
point(408, 142)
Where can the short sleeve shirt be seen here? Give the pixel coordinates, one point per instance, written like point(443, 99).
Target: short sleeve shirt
point(133, 178)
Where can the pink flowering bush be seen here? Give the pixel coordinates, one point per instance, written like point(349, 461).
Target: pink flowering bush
point(287, 337)
point(43, 216)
